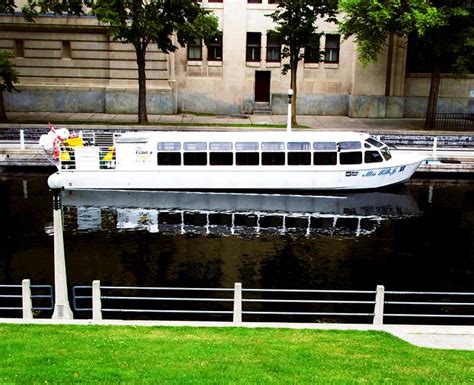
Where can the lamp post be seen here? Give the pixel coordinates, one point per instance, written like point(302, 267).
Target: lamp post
point(62, 310)
point(288, 120)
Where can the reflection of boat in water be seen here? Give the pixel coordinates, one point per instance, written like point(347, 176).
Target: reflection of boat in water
point(237, 213)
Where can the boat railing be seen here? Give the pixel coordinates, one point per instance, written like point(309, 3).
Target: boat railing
point(87, 158)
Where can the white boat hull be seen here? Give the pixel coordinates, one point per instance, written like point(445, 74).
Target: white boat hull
point(241, 178)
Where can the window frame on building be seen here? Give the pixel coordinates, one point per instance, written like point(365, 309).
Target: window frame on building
point(214, 49)
point(332, 47)
point(253, 47)
point(191, 47)
point(315, 50)
point(273, 49)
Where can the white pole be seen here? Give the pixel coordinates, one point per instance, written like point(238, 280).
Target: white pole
point(379, 304)
point(288, 119)
point(26, 299)
point(237, 319)
point(22, 139)
point(435, 147)
point(62, 310)
point(96, 301)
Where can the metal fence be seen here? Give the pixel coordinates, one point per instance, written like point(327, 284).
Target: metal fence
point(25, 299)
point(259, 305)
point(453, 121)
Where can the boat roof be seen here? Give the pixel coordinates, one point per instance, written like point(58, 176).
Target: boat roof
point(234, 136)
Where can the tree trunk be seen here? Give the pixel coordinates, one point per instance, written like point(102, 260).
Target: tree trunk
point(3, 115)
point(142, 114)
point(388, 74)
point(433, 96)
point(294, 69)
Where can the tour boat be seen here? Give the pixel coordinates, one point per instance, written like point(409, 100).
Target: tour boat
point(237, 160)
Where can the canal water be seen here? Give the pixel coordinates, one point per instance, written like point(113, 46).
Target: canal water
point(416, 237)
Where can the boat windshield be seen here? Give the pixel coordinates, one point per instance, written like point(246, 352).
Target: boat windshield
point(386, 153)
point(374, 142)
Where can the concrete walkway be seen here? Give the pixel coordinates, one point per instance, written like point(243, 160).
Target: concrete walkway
point(311, 121)
point(430, 336)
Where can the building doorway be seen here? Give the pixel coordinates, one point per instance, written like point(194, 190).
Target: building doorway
point(262, 86)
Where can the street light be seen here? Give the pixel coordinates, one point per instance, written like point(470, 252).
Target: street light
point(62, 310)
point(288, 120)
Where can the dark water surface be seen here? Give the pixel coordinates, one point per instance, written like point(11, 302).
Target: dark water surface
point(418, 237)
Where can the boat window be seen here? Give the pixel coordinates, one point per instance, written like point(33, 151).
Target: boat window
point(353, 157)
point(246, 146)
point(273, 146)
point(298, 146)
point(349, 145)
point(372, 157)
point(169, 146)
point(169, 159)
point(374, 142)
point(273, 158)
point(299, 158)
point(246, 158)
point(220, 146)
point(195, 158)
point(221, 158)
point(324, 146)
point(325, 158)
point(386, 153)
point(195, 146)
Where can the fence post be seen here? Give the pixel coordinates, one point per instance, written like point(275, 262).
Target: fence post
point(379, 302)
point(237, 303)
point(96, 301)
point(26, 299)
point(435, 147)
point(22, 139)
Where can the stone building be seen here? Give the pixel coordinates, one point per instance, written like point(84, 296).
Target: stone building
point(70, 64)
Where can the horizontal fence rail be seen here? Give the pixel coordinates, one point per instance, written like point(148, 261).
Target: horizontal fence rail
point(239, 304)
point(26, 298)
point(257, 305)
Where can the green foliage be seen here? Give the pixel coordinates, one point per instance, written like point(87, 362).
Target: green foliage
point(8, 74)
point(372, 21)
point(109, 354)
point(7, 6)
point(296, 25)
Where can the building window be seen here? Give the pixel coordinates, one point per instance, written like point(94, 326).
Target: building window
point(19, 48)
point(195, 50)
point(253, 46)
point(254, 1)
point(331, 50)
point(312, 53)
point(215, 1)
point(273, 49)
point(214, 49)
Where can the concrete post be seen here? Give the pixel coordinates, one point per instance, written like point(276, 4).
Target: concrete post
point(435, 147)
point(237, 303)
point(379, 303)
point(96, 301)
point(26, 299)
point(22, 139)
point(62, 310)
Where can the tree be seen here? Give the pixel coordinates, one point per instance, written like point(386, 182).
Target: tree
point(9, 78)
point(372, 22)
point(296, 29)
point(140, 23)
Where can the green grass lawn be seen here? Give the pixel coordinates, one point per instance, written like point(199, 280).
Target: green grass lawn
point(162, 355)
